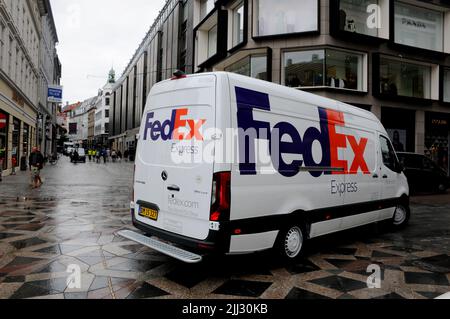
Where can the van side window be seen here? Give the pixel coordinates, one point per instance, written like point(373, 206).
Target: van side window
point(388, 153)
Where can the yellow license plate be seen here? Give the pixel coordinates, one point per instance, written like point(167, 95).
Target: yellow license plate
point(148, 213)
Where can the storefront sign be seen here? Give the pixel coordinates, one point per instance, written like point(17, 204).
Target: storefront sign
point(419, 27)
point(55, 93)
point(18, 99)
point(438, 122)
point(2, 121)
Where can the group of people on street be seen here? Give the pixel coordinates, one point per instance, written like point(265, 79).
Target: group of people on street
point(106, 155)
point(98, 155)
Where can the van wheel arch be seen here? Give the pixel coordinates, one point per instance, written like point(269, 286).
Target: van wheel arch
point(402, 222)
point(290, 223)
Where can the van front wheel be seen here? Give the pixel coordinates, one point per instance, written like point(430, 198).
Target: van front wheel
point(401, 216)
point(291, 243)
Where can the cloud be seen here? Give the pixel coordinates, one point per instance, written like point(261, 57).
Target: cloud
point(95, 35)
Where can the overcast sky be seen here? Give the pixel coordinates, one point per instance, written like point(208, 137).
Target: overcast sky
point(95, 35)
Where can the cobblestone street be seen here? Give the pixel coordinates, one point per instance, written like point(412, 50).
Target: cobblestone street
point(72, 220)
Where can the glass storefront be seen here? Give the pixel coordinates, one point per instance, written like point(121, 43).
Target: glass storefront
point(354, 14)
point(277, 17)
point(401, 126)
point(254, 66)
point(398, 78)
point(437, 135)
point(4, 122)
point(15, 142)
point(330, 68)
point(26, 139)
point(419, 27)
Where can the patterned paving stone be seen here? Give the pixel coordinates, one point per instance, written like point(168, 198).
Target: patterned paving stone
point(340, 283)
point(147, 291)
point(21, 244)
point(390, 296)
point(297, 293)
point(243, 288)
point(426, 279)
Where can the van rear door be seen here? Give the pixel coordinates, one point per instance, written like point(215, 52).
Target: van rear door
point(173, 183)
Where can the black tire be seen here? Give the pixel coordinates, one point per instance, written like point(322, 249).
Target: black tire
point(401, 217)
point(291, 241)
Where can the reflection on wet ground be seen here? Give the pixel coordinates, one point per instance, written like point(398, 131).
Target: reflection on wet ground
point(72, 220)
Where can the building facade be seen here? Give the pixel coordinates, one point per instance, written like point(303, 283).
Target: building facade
point(21, 31)
point(103, 112)
point(78, 122)
point(391, 57)
point(49, 74)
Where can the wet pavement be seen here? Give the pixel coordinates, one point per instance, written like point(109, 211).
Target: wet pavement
point(72, 220)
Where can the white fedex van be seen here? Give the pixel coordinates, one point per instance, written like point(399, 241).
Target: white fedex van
point(303, 166)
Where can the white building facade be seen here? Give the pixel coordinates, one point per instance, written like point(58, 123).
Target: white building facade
point(102, 114)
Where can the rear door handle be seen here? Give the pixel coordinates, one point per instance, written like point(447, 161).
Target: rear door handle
point(173, 188)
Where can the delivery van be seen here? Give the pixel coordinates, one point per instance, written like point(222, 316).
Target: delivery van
point(233, 165)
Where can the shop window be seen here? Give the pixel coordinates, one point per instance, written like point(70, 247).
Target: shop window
point(401, 132)
point(437, 128)
point(446, 87)
point(275, 17)
point(15, 142)
point(399, 78)
point(325, 68)
point(4, 139)
point(419, 27)
point(254, 66)
point(26, 139)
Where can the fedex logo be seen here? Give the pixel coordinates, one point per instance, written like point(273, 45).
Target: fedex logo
point(178, 127)
point(330, 140)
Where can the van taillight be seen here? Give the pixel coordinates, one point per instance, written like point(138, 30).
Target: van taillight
point(221, 197)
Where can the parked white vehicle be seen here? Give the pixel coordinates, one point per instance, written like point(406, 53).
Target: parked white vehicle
point(305, 166)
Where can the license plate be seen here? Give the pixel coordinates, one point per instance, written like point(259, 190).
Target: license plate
point(148, 213)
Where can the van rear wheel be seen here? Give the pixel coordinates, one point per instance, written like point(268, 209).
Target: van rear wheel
point(291, 243)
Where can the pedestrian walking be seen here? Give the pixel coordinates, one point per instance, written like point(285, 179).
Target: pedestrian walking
point(125, 155)
point(14, 164)
point(36, 162)
point(114, 156)
point(119, 156)
point(97, 156)
point(90, 155)
point(104, 155)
